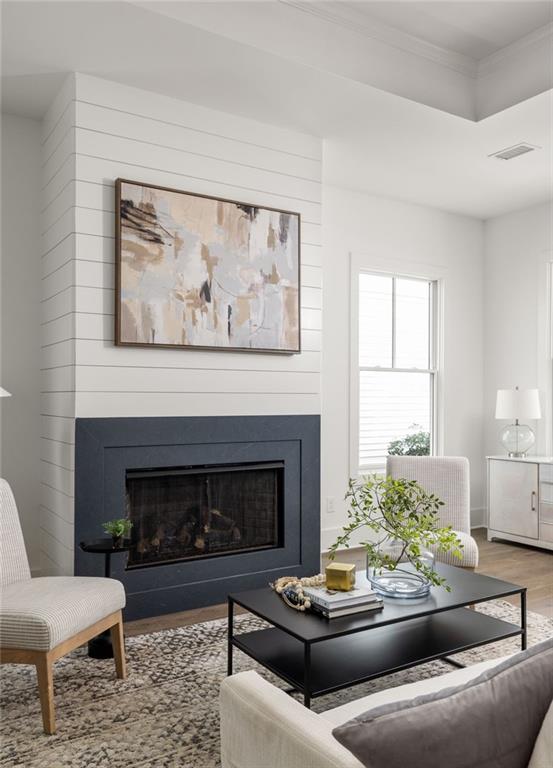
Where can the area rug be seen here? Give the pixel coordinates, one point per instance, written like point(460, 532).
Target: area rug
point(166, 713)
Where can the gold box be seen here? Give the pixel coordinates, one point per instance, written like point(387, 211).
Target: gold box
point(340, 576)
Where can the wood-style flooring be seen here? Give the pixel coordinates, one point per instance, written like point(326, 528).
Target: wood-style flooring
point(528, 566)
point(512, 562)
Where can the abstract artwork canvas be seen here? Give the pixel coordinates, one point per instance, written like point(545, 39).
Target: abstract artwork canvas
point(203, 272)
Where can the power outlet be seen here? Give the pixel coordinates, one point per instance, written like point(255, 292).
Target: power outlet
point(330, 505)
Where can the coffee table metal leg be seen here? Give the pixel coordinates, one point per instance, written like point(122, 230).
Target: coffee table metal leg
point(229, 636)
point(523, 619)
point(307, 675)
point(454, 662)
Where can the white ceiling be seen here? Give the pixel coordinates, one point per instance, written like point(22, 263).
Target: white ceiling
point(431, 53)
point(378, 141)
point(474, 29)
point(406, 150)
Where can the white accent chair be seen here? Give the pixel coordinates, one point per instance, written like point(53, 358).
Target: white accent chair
point(45, 618)
point(448, 477)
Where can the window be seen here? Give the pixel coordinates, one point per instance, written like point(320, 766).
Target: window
point(396, 367)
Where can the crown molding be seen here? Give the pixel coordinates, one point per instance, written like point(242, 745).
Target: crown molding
point(496, 60)
point(341, 14)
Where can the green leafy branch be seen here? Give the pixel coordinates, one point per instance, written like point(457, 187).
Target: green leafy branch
point(400, 510)
point(117, 528)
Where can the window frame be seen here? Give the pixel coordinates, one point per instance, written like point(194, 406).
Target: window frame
point(425, 273)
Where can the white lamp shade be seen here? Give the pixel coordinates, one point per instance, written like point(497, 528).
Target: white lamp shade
point(4, 393)
point(517, 404)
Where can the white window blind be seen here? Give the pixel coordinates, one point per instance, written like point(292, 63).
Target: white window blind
point(397, 365)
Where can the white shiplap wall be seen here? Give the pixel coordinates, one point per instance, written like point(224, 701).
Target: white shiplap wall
point(58, 334)
point(97, 131)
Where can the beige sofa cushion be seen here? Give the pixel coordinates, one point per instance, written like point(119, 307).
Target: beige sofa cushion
point(40, 613)
point(352, 709)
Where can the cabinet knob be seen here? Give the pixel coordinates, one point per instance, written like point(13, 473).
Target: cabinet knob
point(533, 500)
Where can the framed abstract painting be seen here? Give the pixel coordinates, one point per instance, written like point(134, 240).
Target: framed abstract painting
point(200, 272)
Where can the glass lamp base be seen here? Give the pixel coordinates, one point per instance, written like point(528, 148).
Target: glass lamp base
point(517, 439)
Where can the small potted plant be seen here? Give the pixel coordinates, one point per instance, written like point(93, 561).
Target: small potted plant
point(118, 530)
point(403, 519)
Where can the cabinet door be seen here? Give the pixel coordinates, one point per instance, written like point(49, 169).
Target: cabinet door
point(514, 498)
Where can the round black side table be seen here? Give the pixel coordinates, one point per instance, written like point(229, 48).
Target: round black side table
point(100, 647)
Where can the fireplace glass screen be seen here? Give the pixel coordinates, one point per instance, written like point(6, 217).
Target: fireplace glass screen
point(196, 512)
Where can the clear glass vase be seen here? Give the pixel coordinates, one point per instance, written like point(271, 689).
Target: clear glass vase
point(402, 581)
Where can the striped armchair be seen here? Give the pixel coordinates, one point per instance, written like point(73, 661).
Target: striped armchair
point(45, 618)
point(448, 477)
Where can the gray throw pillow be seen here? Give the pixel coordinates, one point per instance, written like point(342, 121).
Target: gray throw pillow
point(490, 722)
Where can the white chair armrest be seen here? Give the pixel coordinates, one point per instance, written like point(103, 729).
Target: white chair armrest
point(263, 727)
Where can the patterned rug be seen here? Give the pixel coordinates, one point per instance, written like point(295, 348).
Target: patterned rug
point(166, 713)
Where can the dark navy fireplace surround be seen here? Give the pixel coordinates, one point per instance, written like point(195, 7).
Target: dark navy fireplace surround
point(106, 447)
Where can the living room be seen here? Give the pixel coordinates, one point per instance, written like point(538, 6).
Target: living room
point(277, 280)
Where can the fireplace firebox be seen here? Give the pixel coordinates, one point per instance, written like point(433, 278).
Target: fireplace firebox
point(194, 512)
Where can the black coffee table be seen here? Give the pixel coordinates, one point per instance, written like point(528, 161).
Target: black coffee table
point(316, 656)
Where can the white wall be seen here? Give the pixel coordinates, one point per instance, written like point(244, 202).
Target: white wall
point(58, 333)
point(130, 133)
point(20, 350)
point(99, 131)
point(405, 237)
point(518, 250)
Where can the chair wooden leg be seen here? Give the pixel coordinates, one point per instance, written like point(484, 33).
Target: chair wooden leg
point(118, 642)
point(44, 660)
point(46, 692)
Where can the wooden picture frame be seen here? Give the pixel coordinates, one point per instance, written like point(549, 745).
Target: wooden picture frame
point(200, 272)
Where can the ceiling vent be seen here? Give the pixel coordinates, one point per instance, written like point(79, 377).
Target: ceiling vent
point(519, 149)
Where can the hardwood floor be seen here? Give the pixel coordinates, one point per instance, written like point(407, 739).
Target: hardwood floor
point(522, 565)
point(172, 620)
point(512, 562)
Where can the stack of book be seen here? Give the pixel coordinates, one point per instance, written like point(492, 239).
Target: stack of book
point(333, 605)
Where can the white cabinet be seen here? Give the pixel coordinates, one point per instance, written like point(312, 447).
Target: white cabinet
point(520, 500)
point(514, 498)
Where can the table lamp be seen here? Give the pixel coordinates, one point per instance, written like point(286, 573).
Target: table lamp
point(517, 404)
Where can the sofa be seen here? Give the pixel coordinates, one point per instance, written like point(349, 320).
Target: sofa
point(263, 727)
